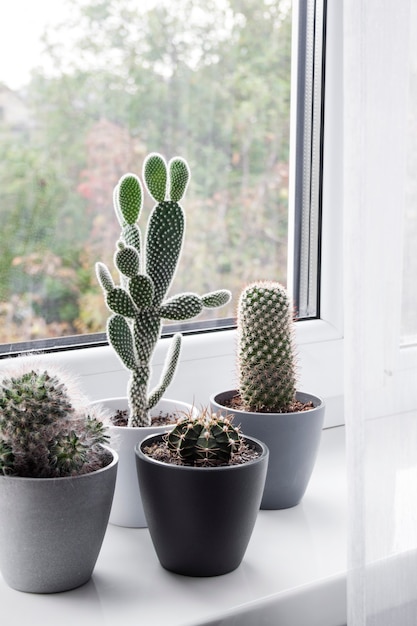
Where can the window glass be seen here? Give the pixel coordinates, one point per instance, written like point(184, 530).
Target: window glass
point(87, 89)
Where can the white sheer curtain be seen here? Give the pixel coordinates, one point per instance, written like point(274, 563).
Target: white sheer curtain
point(380, 226)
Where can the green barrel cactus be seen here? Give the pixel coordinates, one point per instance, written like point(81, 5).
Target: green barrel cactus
point(266, 354)
point(42, 435)
point(147, 268)
point(207, 440)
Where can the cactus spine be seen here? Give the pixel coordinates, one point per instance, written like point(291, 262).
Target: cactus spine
point(139, 303)
point(42, 435)
point(207, 440)
point(266, 359)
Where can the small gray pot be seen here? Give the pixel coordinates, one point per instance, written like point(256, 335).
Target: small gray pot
point(293, 440)
point(52, 529)
point(200, 518)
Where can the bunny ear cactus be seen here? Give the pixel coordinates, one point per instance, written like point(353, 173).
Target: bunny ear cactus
point(266, 359)
point(146, 269)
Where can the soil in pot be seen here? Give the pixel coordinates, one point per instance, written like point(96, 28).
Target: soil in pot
point(234, 401)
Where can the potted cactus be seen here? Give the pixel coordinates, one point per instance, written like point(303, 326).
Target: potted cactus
point(146, 266)
point(266, 403)
point(201, 485)
point(56, 483)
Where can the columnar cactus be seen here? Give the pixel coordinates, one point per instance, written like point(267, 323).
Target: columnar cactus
point(206, 440)
point(139, 303)
point(266, 358)
point(42, 435)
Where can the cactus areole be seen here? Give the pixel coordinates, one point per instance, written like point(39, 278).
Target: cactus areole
point(146, 267)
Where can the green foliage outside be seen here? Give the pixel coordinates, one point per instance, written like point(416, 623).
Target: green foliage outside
point(209, 80)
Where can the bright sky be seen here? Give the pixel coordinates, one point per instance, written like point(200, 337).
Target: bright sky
point(21, 24)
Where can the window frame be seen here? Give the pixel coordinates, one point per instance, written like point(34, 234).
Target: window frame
point(208, 358)
point(308, 87)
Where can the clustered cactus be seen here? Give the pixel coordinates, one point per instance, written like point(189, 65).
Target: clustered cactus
point(139, 303)
point(266, 354)
point(42, 435)
point(206, 440)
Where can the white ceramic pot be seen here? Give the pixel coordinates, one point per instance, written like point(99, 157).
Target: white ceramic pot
point(127, 509)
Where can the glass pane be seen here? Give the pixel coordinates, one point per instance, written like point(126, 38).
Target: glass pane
point(87, 89)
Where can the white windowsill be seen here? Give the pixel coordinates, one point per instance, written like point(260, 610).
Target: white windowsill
point(293, 573)
point(208, 365)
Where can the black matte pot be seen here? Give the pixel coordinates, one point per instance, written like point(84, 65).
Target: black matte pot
point(200, 518)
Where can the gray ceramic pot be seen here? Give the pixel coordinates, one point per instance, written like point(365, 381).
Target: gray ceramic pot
point(293, 440)
point(52, 529)
point(201, 518)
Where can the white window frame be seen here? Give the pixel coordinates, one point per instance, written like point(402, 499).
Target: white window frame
point(208, 359)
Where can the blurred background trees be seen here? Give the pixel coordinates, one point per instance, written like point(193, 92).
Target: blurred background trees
point(206, 79)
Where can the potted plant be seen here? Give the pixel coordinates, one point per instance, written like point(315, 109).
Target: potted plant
point(146, 266)
point(266, 403)
point(56, 484)
point(201, 486)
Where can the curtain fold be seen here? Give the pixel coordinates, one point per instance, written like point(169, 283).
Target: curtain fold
point(380, 215)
